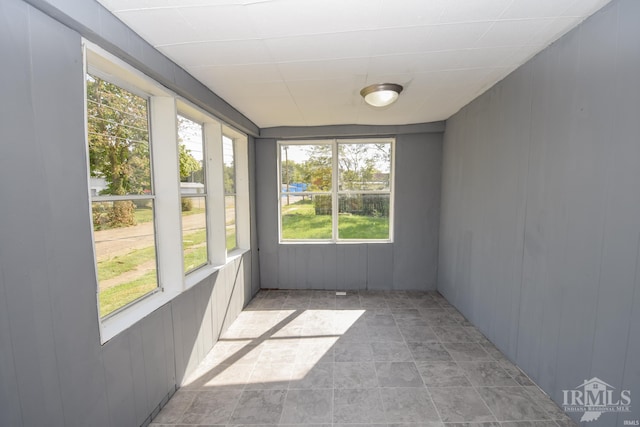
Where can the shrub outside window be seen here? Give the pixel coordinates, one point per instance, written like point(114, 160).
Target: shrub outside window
point(337, 190)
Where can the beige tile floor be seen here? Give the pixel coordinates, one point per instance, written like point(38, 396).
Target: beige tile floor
point(370, 358)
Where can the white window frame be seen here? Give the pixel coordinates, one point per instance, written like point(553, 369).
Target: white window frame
point(214, 172)
point(164, 107)
point(234, 194)
point(200, 119)
point(335, 192)
point(243, 206)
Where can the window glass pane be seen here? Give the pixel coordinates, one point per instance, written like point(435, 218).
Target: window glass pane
point(228, 154)
point(364, 167)
point(193, 190)
point(125, 252)
point(118, 131)
point(191, 146)
point(363, 193)
point(309, 217)
point(230, 215)
point(305, 168)
point(363, 216)
point(194, 233)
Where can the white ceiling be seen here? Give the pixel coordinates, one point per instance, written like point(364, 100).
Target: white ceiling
point(303, 62)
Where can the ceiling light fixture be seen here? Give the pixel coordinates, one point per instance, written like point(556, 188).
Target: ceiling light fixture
point(381, 94)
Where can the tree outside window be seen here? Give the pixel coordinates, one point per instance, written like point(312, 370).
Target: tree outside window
point(356, 207)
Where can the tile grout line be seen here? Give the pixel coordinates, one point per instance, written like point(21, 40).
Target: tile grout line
point(384, 339)
point(475, 388)
point(433, 403)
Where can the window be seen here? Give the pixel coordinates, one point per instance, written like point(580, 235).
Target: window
point(157, 234)
point(193, 192)
point(228, 154)
point(336, 190)
point(122, 199)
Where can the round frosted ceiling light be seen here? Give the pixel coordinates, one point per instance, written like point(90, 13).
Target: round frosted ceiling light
point(381, 94)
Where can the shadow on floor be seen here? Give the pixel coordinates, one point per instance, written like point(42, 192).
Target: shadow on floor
point(383, 358)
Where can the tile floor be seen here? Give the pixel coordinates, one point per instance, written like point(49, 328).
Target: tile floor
point(369, 358)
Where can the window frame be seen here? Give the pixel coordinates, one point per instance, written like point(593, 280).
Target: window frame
point(243, 204)
point(100, 63)
point(184, 112)
point(234, 194)
point(335, 192)
point(131, 88)
point(164, 106)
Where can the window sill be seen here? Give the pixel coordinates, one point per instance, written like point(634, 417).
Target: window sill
point(202, 273)
point(331, 242)
point(128, 317)
point(235, 254)
point(119, 322)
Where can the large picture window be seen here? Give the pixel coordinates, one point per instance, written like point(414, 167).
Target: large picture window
point(336, 190)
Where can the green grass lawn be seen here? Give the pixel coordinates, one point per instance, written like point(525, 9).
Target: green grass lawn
point(115, 297)
point(231, 240)
point(121, 264)
point(194, 258)
point(146, 214)
point(195, 252)
point(299, 222)
point(362, 227)
point(118, 296)
point(143, 215)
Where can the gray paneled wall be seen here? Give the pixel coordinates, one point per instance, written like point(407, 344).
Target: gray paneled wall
point(409, 263)
point(53, 370)
point(540, 224)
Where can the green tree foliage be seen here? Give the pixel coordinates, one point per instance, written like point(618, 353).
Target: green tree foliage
point(191, 169)
point(118, 130)
point(364, 166)
point(188, 163)
point(317, 170)
point(118, 147)
point(229, 179)
point(229, 166)
point(287, 169)
point(361, 167)
point(118, 138)
point(292, 172)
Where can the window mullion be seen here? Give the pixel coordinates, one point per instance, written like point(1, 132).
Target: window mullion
point(215, 185)
point(116, 198)
point(167, 192)
point(243, 208)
